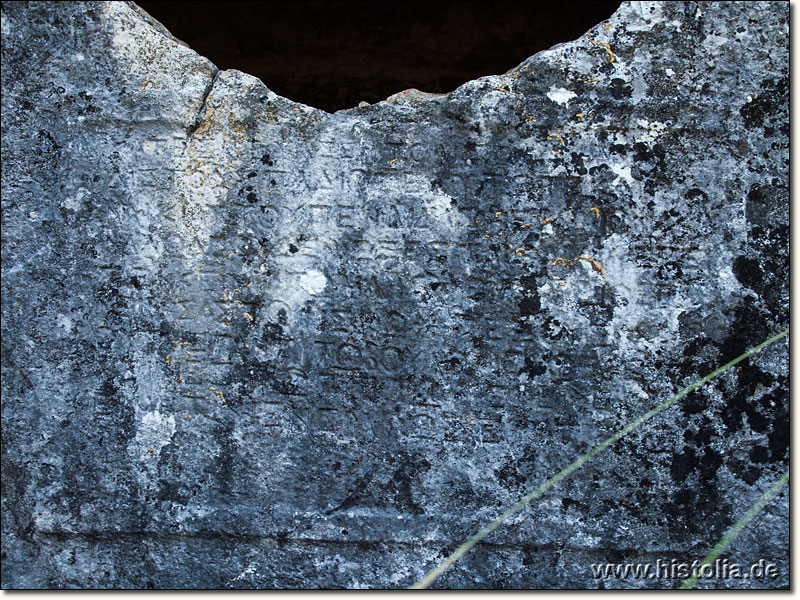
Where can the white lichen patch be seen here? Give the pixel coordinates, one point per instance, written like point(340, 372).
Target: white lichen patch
point(155, 431)
point(65, 323)
point(5, 25)
point(297, 283)
point(642, 14)
point(437, 205)
point(74, 202)
point(648, 131)
point(313, 282)
point(561, 95)
point(623, 173)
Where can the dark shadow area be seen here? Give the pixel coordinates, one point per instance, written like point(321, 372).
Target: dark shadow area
point(333, 55)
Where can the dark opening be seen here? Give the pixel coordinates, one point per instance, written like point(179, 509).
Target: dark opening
point(333, 55)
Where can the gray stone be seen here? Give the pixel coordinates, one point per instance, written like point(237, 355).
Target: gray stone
point(247, 343)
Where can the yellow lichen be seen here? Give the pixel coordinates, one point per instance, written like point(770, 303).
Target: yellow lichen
point(595, 265)
point(218, 393)
point(564, 261)
point(607, 46)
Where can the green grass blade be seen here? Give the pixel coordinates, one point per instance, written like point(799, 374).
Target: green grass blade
point(434, 573)
point(736, 529)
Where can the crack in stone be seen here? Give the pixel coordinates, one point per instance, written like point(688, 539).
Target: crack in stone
point(119, 536)
point(198, 119)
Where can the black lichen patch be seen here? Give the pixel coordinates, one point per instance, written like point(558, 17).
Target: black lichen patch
point(749, 272)
point(698, 503)
point(530, 304)
point(749, 324)
point(765, 268)
point(770, 102)
point(697, 509)
point(534, 368)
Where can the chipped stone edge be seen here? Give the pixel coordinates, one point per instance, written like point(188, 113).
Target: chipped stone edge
point(410, 96)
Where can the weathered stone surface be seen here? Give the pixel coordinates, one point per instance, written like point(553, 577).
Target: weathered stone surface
point(247, 343)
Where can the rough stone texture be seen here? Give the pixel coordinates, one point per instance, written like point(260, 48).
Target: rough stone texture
point(247, 343)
